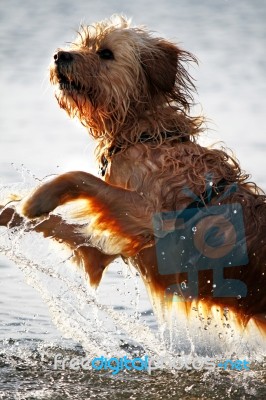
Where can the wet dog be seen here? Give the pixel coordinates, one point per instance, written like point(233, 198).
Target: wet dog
point(183, 215)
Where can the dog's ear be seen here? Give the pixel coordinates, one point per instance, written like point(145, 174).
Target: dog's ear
point(162, 62)
point(160, 65)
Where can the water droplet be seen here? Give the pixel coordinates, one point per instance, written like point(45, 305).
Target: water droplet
point(226, 311)
point(211, 183)
point(239, 297)
point(194, 229)
point(208, 281)
point(183, 285)
point(182, 237)
point(235, 211)
point(214, 285)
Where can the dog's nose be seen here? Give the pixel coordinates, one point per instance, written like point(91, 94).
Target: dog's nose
point(62, 56)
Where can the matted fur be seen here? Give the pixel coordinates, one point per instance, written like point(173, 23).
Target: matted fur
point(133, 92)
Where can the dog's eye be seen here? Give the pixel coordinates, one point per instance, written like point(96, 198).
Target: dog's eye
point(106, 54)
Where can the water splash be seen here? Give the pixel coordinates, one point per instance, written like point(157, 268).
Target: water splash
point(110, 321)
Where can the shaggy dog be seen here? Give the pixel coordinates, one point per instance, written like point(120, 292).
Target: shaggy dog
point(183, 215)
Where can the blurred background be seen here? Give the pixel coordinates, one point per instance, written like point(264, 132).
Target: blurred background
point(227, 36)
point(229, 39)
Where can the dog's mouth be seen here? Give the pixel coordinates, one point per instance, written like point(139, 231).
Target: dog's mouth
point(67, 84)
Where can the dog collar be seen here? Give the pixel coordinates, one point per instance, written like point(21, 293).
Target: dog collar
point(144, 137)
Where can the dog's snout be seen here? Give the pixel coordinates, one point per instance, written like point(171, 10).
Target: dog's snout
point(62, 56)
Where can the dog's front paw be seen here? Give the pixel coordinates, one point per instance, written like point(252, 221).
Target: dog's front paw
point(40, 203)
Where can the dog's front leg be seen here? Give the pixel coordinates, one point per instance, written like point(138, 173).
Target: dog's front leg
point(121, 218)
point(92, 259)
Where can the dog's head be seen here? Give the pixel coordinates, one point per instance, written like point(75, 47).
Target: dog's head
point(114, 76)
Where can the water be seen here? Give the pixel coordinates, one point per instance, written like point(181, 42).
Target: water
point(229, 40)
